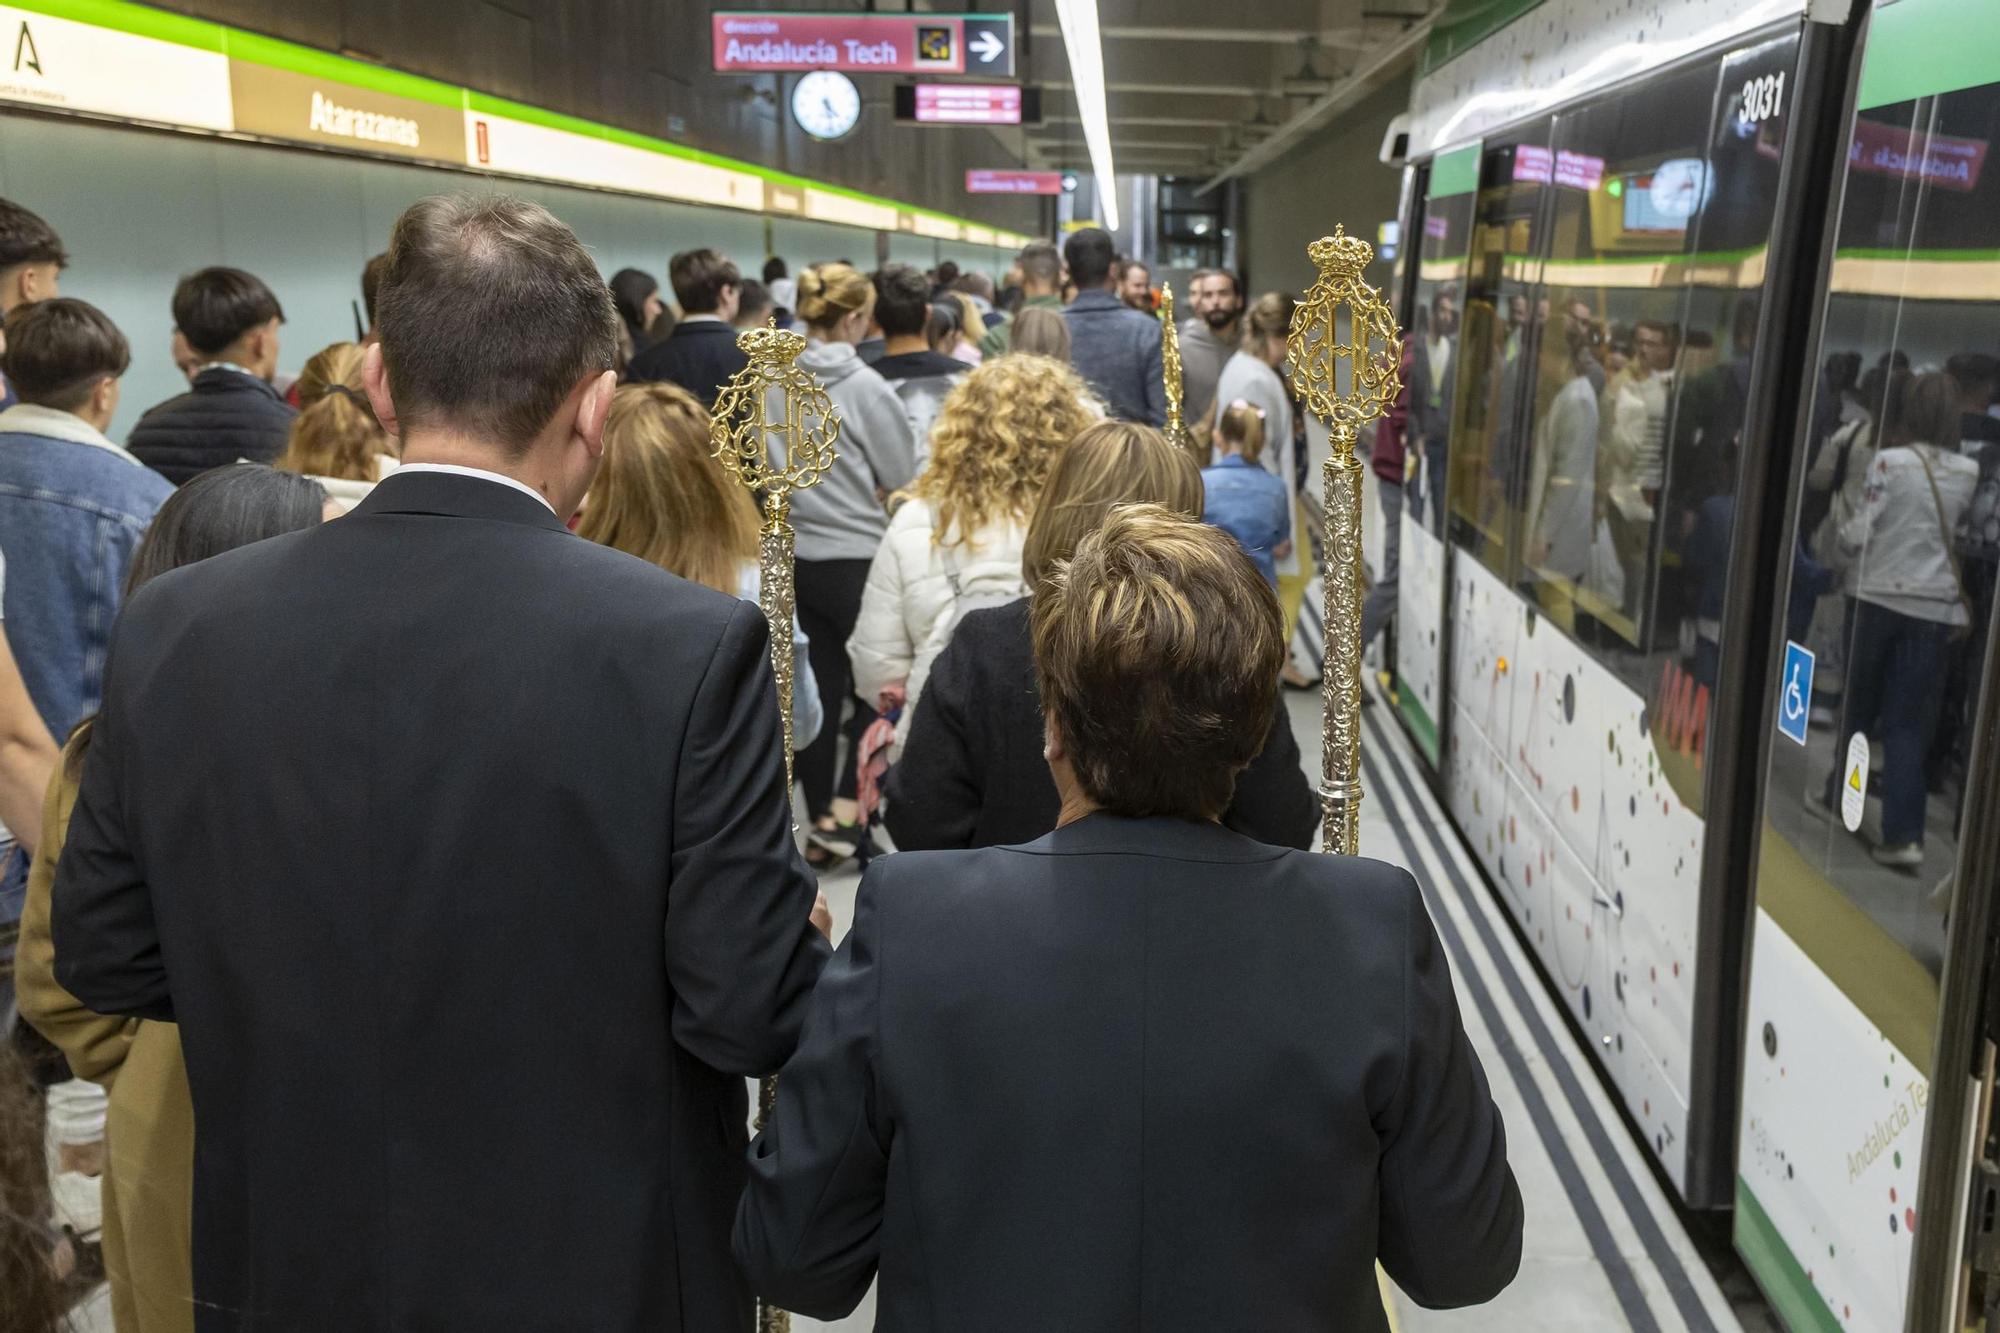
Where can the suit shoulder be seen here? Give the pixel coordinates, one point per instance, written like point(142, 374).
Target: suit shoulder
point(627, 585)
point(1356, 885)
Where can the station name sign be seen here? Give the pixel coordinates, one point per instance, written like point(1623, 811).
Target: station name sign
point(766, 41)
point(1013, 182)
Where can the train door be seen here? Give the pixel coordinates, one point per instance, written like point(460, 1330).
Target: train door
point(1619, 256)
point(1873, 780)
point(1436, 307)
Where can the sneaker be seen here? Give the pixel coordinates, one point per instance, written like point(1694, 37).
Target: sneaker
point(1907, 856)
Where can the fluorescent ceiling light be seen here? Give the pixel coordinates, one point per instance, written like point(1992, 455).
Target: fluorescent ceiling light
point(1086, 72)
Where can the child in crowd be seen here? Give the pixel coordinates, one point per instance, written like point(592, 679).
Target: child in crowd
point(1242, 498)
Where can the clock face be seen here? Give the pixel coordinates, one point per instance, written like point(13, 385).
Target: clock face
point(1680, 187)
point(826, 105)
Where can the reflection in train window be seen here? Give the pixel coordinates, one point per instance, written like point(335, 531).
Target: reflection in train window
point(1899, 534)
point(1434, 327)
point(1495, 347)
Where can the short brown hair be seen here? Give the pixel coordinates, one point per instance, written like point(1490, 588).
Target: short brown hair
point(58, 351)
point(371, 284)
point(699, 278)
point(1157, 651)
point(26, 239)
point(1111, 463)
point(1931, 412)
point(490, 312)
point(213, 307)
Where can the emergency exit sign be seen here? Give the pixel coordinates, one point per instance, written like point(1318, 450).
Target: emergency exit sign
point(762, 41)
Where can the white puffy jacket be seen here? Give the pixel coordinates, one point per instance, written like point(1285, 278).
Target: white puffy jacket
point(916, 593)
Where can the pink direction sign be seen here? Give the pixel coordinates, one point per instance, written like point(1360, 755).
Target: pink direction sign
point(753, 41)
point(968, 104)
point(1013, 182)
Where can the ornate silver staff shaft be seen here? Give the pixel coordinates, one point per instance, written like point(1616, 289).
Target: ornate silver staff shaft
point(774, 458)
point(1316, 353)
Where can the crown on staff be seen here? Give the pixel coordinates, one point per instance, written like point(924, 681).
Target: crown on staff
point(1340, 255)
point(771, 343)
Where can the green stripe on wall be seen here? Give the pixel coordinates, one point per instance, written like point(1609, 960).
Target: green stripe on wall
point(1919, 48)
point(1771, 1262)
point(1455, 172)
point(144, 21)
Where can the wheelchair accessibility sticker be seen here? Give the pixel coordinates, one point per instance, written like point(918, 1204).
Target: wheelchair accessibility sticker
point(1795, 692)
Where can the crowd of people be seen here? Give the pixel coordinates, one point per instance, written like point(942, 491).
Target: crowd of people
point(397, 839)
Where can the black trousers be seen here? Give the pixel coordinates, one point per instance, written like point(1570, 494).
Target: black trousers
point(829, 597)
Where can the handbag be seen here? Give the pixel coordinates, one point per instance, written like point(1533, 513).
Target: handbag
point(1950, 549)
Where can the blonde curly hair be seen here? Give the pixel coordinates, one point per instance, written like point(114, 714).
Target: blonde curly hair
point(994, 440)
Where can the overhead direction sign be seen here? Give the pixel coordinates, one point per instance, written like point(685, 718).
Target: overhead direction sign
point(968, 104)
point(1013, 182)
point(762, 41)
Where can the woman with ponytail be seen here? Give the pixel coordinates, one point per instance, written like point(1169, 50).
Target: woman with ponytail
point(335, 438)
point(840, 523)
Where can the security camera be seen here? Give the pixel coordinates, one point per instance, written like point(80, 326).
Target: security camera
point(1396, 142)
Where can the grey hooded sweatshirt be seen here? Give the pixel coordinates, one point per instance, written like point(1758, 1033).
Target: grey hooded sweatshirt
point(841, 518)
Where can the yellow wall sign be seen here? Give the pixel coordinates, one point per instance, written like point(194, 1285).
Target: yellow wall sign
point(284, 105)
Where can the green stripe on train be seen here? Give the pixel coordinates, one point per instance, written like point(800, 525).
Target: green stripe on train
point(1797, 1301)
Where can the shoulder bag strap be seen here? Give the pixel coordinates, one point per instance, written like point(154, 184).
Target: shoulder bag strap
point(1944, 532)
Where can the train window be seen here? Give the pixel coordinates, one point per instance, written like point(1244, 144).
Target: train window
point(1495, 344)
point(1434, 325)
point(1628, 179)
point(1659, 208)
point(1898, 523)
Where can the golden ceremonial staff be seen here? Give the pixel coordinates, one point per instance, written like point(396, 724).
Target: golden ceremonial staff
point(1170, 372)
point(1372, 380)
point(775, 428)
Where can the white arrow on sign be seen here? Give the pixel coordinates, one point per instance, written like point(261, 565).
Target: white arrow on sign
point(988, 47)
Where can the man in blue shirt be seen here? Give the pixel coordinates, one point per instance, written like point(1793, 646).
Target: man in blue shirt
point(1114, 347)
point(73, 506)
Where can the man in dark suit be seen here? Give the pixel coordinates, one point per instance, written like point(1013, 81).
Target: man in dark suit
point(701, 353)
point(1143, 1074)
point(459, 848)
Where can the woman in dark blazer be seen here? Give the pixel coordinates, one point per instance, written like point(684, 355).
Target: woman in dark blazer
point(972, 774)
point(1143, 1074)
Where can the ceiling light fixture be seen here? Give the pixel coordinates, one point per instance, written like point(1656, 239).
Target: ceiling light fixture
point(1086, 71)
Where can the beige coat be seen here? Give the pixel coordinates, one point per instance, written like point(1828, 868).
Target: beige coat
point(149, 1133)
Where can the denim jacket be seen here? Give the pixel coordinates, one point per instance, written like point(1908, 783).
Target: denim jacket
point(73, 506)
point(1117, 351)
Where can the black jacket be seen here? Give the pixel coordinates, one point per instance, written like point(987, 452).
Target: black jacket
point(224, 416)
point(1136, 1077)
point(700, 357)
point(972, 772)
point(473, 927)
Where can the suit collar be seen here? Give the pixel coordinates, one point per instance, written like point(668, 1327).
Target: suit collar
point(1171, 839)
point(450, 495)
point(704, 327)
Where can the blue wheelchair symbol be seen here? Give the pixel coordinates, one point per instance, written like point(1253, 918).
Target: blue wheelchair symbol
point(1795, 692)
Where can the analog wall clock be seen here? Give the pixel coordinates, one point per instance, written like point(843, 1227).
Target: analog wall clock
point(826, 104)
